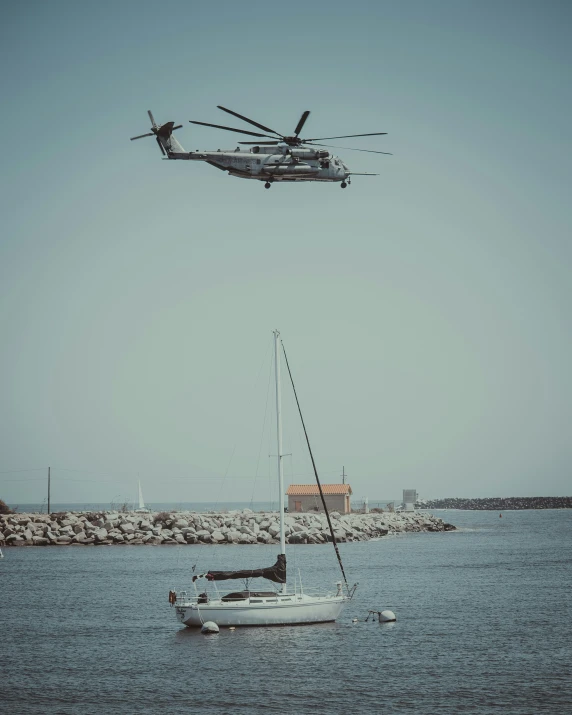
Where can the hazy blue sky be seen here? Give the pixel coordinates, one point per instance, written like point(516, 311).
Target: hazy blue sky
point(426, 311)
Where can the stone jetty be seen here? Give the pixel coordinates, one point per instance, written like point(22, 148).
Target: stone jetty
point(499, 503)
point(235, 527)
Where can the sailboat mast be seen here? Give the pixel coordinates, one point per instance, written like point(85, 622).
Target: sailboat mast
point(279, 441)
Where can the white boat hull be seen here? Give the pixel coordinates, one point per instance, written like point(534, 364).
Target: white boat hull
point(281, 611)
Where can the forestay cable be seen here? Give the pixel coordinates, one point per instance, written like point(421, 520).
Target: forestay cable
point(316, 472)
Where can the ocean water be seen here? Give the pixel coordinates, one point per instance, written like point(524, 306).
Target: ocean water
point(483, 626)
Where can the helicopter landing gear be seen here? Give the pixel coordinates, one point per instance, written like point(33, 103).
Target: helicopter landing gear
point(267, 185)
point(343, 184)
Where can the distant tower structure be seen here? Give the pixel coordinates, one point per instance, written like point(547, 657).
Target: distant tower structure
point(409, 499)
point(366, 505)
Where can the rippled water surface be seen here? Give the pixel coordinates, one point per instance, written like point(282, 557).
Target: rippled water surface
point(483, 626)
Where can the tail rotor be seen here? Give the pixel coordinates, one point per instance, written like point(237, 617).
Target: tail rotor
point(161, 132)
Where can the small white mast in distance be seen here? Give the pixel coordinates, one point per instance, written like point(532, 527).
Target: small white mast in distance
point(142, 507)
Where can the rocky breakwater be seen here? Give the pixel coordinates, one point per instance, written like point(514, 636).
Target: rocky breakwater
point(500, 503)
point(240, 527)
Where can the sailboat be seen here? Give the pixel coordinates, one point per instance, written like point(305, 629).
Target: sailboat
point(142, 509)
point(287, 606)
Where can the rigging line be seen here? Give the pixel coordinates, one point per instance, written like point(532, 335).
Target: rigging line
point(94, 471)
point(265, 358)
point(316, 473)
point(31, 479)
point(18, 471)
point(224, 478)
point(262, 433)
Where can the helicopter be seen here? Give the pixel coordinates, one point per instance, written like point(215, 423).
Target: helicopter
point(283, 158)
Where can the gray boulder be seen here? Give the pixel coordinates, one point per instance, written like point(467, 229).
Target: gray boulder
point(100, 535)
point(274, 529)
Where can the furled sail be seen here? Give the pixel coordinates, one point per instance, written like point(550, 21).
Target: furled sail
point(276, 573)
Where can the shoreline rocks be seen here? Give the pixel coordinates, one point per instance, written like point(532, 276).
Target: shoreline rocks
point(235, 527)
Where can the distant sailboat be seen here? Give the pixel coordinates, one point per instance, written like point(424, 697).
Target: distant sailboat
point(142, 508)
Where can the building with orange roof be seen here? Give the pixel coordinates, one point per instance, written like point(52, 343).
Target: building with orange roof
point(306, 497)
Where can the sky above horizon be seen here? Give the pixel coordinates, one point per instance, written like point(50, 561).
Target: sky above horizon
point(425, 311)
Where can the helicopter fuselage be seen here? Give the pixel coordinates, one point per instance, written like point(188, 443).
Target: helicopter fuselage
point(284, 158)
point(269, 164)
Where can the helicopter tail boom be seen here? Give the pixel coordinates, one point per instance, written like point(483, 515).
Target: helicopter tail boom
point(172, 147)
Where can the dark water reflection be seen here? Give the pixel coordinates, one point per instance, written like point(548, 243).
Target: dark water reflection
point(483, 627)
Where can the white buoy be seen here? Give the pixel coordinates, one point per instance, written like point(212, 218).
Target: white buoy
point(354, 620)
point(209, 627)
point(387, 617)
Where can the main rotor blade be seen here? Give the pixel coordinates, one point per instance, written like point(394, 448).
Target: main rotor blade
point(230, 129)
point(346, 136)
point(250, 121)
point(143, 135)
point(262, 143)
point(151, 117)
point(160, 145)
point(351, 148)
point(301, 123)
point(179, 126)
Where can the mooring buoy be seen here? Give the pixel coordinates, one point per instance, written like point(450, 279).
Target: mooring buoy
point(209, 627)
point(382, 616)
point(387, 617)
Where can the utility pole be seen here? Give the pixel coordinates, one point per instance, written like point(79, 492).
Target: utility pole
point(343, 475)
point(48, 490)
